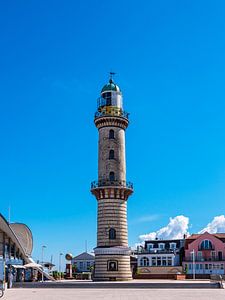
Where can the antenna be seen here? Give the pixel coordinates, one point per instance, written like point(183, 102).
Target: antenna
point(9, 214)
point(85, 245)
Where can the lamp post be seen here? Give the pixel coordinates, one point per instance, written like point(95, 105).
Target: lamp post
point(60, 258)
point(193, 263)
point(42, 258)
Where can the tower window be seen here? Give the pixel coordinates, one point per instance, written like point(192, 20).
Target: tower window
point(111, 176)
point(111, 154)
point(112, 265)
point(108, 98)
point(111, 134)
point(112, 234)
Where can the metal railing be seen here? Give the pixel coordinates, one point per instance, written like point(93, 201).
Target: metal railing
point(158, 251)
point(200, 248)
point(113, 112)
point(202, 259)
point(120, 183)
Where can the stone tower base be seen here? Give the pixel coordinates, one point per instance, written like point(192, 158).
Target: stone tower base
point(111, 266)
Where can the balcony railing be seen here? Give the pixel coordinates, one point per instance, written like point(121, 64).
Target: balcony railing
point(158, 251)
point(202, 259)
point(202, 248)
point(112, 111)
point(103, 183)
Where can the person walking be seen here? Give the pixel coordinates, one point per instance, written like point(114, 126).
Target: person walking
point(10, 278)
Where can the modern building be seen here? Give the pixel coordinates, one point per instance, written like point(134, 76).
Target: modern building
point(16, 242)
point(16, 245)
point(83, 262)
point(160, 258)
point(112, 254)
point(204, 255)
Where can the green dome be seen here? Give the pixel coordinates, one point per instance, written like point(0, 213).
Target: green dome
point(111, 86)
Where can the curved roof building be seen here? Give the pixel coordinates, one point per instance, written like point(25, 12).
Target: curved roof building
point(16, 241)
point(16, 245)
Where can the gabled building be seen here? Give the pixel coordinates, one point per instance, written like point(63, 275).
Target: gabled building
point(204, 254)
point(83, 262)
point(160, 258)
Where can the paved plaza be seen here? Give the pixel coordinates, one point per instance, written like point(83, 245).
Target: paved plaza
point(120, 294)
point(137, 289)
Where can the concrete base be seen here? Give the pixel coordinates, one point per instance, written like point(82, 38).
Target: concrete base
point(104, 272)
point(96, 279)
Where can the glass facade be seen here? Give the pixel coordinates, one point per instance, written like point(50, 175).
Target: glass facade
point(8, 249)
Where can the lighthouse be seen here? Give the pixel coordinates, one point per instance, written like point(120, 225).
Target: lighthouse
point(112, 254)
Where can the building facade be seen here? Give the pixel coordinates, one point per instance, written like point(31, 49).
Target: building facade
point(83, 262)
point(16, 245)
point(112, 255)
point(160, 258)
point(204, 254)
point(16, 242)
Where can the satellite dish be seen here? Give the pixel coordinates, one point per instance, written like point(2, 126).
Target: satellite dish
point(69, 256)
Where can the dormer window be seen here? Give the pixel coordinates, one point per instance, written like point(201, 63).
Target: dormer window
point(161, 246)
point(150, 246)
point(173, 246)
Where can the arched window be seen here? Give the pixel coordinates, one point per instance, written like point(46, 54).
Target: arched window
point(112, 176)
point(144, 262)
point(111, 134)
point(206, 245)
point(111, 154)
point(112, 234)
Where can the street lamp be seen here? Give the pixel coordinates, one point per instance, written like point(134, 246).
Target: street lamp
point(193, 262)
point(42, 258)
point(60, 258)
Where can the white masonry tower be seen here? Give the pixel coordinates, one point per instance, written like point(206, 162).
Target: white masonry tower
point(112, 255)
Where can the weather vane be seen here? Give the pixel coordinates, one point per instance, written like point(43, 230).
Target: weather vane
point(111, 74)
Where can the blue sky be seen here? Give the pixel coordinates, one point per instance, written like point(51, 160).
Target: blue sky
point(55, 57)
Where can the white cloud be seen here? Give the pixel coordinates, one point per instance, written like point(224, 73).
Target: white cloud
point(136, 245)
point(145, 219)
point(216, 225)
point(177, 227)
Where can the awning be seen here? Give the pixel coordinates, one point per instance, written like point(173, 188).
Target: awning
point(18, 267)
point(33, 265)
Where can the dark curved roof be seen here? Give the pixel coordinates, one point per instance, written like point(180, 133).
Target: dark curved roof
point(110, 86)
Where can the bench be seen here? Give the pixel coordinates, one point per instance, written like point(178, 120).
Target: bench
point(215, 278)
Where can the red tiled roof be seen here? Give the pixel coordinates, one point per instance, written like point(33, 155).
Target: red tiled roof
point(195, 236)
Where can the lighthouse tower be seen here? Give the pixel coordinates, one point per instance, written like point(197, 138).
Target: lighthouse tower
point(112, 255)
